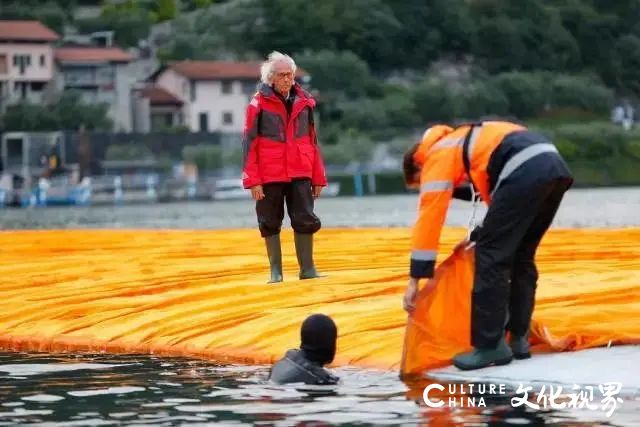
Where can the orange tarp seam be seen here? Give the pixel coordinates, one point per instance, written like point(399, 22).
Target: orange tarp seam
point(202, 293)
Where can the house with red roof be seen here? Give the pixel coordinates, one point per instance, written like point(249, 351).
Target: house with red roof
point(157, 109)
point(99, 74)
point(26, 62)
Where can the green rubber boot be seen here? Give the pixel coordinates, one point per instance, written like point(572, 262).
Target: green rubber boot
point(478, 358)
point(304, 252)
point(274, 252)
point(520, 346)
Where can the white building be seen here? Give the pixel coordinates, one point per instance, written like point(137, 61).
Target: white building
point(26, 62)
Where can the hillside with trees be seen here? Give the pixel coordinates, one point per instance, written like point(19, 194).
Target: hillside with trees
point(384, 69)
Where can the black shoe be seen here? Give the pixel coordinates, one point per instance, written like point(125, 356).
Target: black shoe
point(479, 358)
point(520, 346)
point(274, 252)
point(304, 252)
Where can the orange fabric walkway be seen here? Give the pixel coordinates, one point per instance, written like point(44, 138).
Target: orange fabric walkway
point(203, 293)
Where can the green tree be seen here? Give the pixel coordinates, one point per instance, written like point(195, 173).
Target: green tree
point(67, 113)
point(399, 107)
point(527, 93)
point(482, 99)
point(331, 71)
point(352, 145)
point(191, 40)
point(434, 101)
point(50, 13)
point(128, 20)
point(365, 27)
point(429, 31)
point(585, 93)
point(626, 63)
point(207, 157)
point(189, 5)
point(522, 36)
point(162, 10)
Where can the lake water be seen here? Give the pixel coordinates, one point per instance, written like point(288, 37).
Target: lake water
point(602, 207)
point(88, 389)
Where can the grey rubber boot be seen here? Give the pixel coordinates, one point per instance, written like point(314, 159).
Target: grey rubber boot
point(274, 252)
point(479, 358)
point(304, 252)
point(520, 346)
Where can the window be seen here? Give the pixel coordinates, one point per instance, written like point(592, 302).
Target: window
point(227, 118)
point(193, 90)
point(106, 74)
point(227, 87)
point(204, 122)
point(43, 60)
point(22, 62)
point(37, 86)
point(161, 121)
point(3, 64)
point(80, 76)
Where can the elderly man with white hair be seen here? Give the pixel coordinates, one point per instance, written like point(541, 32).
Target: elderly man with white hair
point(282, 162)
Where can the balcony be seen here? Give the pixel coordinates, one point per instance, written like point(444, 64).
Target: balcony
point(80, 80)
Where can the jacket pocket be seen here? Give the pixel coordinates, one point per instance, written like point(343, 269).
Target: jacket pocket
point(271, 160)
point(307, 156)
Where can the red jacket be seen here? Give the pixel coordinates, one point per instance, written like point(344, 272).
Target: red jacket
point(278, 148)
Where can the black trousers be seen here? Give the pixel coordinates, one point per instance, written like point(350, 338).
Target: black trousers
point(505, 271)
point(299, 199)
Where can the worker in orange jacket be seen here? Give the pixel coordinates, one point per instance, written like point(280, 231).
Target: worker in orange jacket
point(522, 178)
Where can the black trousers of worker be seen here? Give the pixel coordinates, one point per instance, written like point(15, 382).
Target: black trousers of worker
point(506, 277)
point(299, 199)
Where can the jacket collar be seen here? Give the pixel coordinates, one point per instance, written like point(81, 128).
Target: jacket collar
point(302, 96)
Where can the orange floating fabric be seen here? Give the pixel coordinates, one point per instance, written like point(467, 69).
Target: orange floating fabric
point(203, 293)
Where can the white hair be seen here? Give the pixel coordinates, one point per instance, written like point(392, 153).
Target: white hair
point(267, 67)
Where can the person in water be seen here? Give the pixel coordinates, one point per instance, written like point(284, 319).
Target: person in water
point(318, 336)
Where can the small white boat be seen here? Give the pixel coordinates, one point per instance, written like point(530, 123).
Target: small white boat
point(230, 189)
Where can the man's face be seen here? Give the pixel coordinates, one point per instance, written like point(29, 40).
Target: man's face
point(283, 77)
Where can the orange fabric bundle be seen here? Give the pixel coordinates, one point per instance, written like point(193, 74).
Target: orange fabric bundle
point(441, 324)
point(566, 318)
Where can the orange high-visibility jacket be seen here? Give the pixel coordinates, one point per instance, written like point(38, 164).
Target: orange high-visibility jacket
point(440, 155)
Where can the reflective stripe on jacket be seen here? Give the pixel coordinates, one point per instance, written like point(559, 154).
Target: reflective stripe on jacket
point(440, 156)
